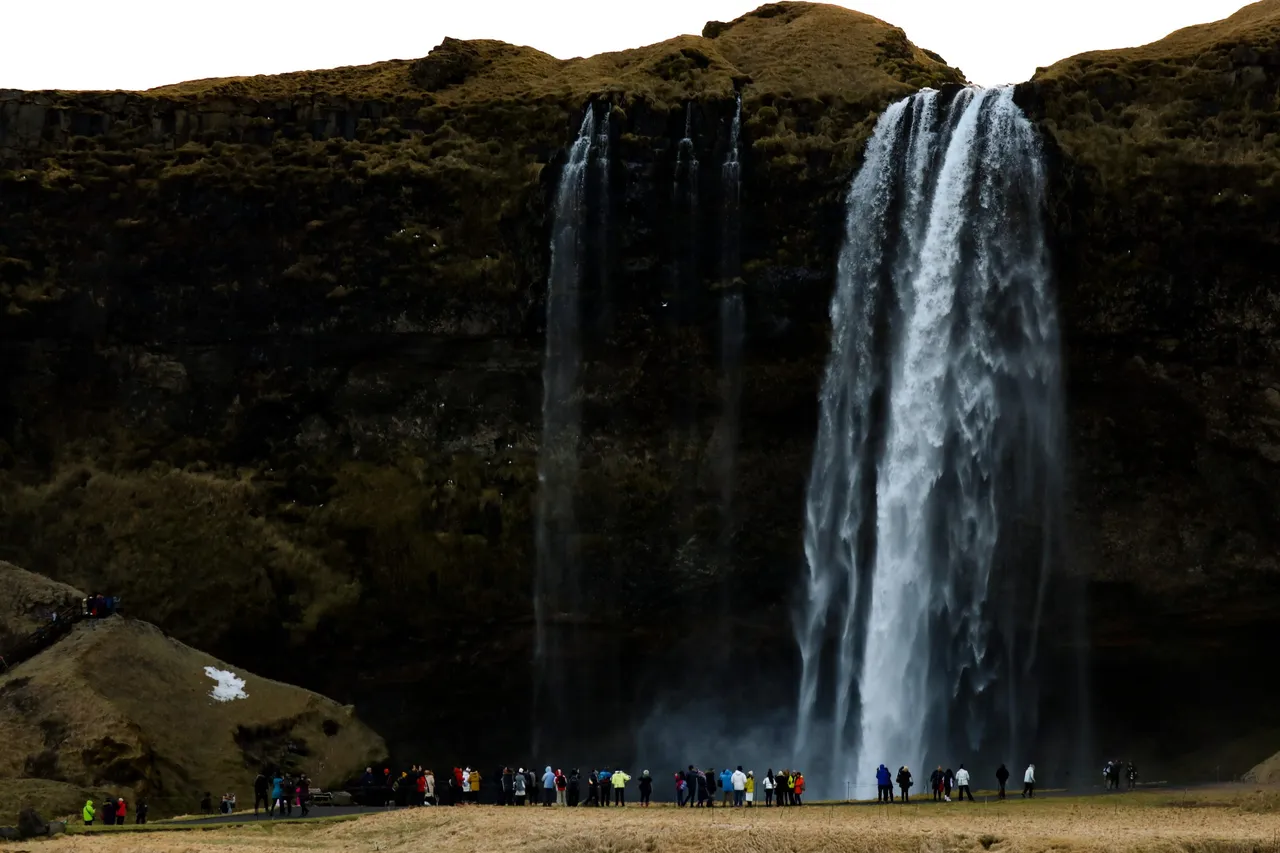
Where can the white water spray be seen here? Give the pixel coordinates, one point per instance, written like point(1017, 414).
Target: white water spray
point(934, 502)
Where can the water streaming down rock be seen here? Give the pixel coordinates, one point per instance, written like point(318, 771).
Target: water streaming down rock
point(933, 512)
point(685, 297)
point(557, 585)
point(732, 324)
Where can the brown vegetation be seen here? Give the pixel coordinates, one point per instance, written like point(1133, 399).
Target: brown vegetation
point(1156, 822)
point(119, 707)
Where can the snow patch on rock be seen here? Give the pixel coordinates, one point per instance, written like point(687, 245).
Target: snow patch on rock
point(229, 686)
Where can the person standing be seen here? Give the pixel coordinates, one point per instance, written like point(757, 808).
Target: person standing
point(646, 788)
point(304, 794)
point(109, 811)
point(751, 788)
point(948, 783)
point(88, 813)
point(681, 786)
point(260, 792)
point(276, 783)
point(121, 810)
point(574, 794)
point(548, 787)
point(620, 781)
point(799, 788)
point(1029, 781)
point(768, 788)
point(508, 786)
point(593, 788)
point(140, 813)
point(738, 780)
point(1002, 777)
point(562, 785)
point(935, 784)
point(962, 782)
point(884, 785)
point(726, 786)
point(904, 783)
point(606, 786)
point(518, 786)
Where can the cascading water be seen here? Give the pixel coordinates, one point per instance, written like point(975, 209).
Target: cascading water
point(933, 512)
point(557, 587)
point(732, 322)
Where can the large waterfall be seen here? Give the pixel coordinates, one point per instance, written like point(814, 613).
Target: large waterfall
point(933, 511)
point(557, 581)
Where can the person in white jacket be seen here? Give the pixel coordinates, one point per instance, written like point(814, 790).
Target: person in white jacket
point(739, 782)
point(1029, 781)
point(962, 783)
point(768, 787)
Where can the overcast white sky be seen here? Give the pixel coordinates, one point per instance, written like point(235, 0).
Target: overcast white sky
point(138, 44)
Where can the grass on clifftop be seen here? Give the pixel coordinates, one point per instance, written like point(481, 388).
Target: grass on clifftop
point(800, 49)
point(1202, 95)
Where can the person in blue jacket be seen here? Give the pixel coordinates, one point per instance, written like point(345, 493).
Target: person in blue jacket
point(548, 787)
point(606, 786)
point(277, 795)
point(726, 785)
point(884, 785)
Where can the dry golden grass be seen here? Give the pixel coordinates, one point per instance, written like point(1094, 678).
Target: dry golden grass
point(1143, 822)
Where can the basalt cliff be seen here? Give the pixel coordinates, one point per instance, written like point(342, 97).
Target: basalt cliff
point(271, 357)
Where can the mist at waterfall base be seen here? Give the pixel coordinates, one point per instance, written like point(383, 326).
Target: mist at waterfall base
point(933, 519)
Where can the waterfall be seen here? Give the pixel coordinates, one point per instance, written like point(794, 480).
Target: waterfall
point(557, 588)
point(732, 322)
point(933, 511)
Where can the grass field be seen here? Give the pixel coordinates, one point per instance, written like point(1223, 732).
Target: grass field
point(1228, 819)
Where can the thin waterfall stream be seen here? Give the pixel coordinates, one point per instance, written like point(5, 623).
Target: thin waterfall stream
point(557, 581)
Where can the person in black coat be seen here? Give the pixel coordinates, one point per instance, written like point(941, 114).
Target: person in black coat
point(904, 783)
point(1002, 776)
point(574, 794)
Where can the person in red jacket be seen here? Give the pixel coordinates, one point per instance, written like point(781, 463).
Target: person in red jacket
point(120, 810)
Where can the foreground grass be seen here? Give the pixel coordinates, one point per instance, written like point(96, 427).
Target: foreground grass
point(195, 824)
point(1231, 819)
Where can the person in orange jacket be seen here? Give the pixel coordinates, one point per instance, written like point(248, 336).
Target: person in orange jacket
point(799, 786)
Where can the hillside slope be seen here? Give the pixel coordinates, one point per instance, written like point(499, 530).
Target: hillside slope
point(117, 707)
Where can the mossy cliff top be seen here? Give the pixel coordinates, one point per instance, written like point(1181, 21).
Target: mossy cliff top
point(804, 49)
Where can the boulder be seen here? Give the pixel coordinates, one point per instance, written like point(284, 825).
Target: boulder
point(31, 825)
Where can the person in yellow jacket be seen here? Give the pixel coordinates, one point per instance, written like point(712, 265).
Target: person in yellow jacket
point(620, 781)
point(751, 787)
point(88, 814)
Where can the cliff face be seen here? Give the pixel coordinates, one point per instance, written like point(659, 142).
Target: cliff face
point(1165, 163)
point(272, 351)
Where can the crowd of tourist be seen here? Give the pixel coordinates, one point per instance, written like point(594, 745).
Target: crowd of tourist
point(943, 782)
point(113, 811)
point(520, 786)
point(276, 793)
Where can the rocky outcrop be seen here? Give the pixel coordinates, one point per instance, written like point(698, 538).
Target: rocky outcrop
point(118, 707)
point(1164, 212)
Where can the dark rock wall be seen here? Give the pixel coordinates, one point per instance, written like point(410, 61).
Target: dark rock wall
point(272, 371)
